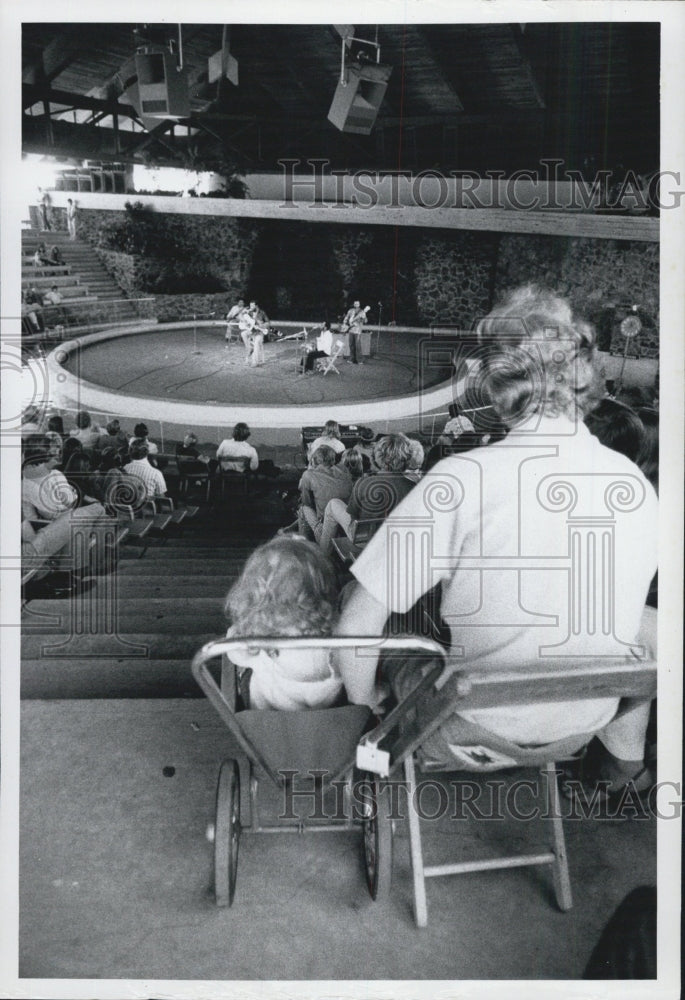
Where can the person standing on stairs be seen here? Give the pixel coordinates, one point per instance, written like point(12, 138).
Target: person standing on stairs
point(71, 218)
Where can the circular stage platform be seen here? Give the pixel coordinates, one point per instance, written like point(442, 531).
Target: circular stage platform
point(188, 376)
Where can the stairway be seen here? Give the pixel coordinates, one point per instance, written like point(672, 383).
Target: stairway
point(85, 269)
point(165, 606)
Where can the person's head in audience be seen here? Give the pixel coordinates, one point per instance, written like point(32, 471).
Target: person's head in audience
point(352, 461)
point(525, 371)
point(189, 439)
point(417, 455)
point(138, 449)
point(648, 455)
point(83, 420)
point(241, 432)
point(39, 449)
point(109, 459)
point(140, 431)
point(56, 424)
point(616, 426)
point(323, 456)
point(72, 446)
point(56, 443)
point(113, 427)
point(331, 429)
point(287, 587)
point(392, 453)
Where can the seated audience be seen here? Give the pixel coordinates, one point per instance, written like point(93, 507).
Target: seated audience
point(191, 459)
point(31, 420)
point(32, 313)
point(287, 588)
point(374, 495)
point(56, 255)
point(47, 496)
point(56, 424)
point(151, 480)
point(77, 468)
point(53, 297)
point(320, 483)
point(233, 454)
point(113, 437)
point(330, 437)
point(140, 433)
point(86, 431)
point(414, 469)
point(501, 507)
point(352, 461)
point(41, 257)
point(364, 445)
point(108, 476)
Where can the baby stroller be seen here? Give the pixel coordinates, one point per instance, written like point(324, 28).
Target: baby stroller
point(281, 747)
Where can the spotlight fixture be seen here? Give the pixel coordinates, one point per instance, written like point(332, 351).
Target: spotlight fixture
point(361, 87)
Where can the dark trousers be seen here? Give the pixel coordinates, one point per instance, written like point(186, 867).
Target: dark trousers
point(355, 347)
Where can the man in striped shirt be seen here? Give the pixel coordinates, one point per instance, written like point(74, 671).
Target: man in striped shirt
point(151, 480)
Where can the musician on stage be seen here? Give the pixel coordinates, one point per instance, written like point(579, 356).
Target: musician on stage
point(352, 324)
point(324, 348)
point(232, 319)
point(253, 324)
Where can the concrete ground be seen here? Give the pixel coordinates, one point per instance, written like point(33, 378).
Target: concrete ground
point(116, 872)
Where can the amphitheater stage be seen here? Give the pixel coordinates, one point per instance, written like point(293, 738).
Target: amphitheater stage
point(181, 376)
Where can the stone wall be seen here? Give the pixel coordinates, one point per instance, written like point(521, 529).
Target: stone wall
point(420, 277)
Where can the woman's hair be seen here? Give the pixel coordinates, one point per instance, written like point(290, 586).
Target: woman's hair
point(287, 587)
point(616, 426)
point(323, 456)
point(241, 432)
point(138, 449)
point(56, 424)
point(35, 449)
point(140, 431)
point(417, 454)
point(191, 437)
point(109, 459)
point(537, 357)
point(83, 419)
point(352, 461)
point(331, 429)
point(113, 427)
point(72, 446)
point(648, 455)
point(393, 453)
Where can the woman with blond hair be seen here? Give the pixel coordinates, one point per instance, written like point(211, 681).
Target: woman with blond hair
point(544, 543)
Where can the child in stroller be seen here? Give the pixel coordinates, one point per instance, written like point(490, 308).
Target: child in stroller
point(287, 588)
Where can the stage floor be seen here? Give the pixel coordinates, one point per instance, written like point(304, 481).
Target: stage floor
point(163, 364)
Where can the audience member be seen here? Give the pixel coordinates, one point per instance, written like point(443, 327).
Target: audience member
point(108, 475)
point(233, 454)
point(364, 445)
point(287, 588)
point(56, 424)
point(86, 431)
point(541, 387)
point(151, 480)
point(53, 297)
point(330, 437)
point(56, 256)
point(32, 310)
point(114, 437)
point(414, 469)
point(47, 496)
point(374, 495)
point(41, 257)
point(191, 461)
point(140, 433)
point(320, 483)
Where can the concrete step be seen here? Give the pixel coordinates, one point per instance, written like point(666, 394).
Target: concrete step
point(150, 645)
point(178, 587)
point(134, 567)
point(166, 615)
point(93, 677)
point(44, 272)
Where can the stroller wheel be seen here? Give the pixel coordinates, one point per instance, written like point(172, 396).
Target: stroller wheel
point(226, 833)
point(377, 838)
